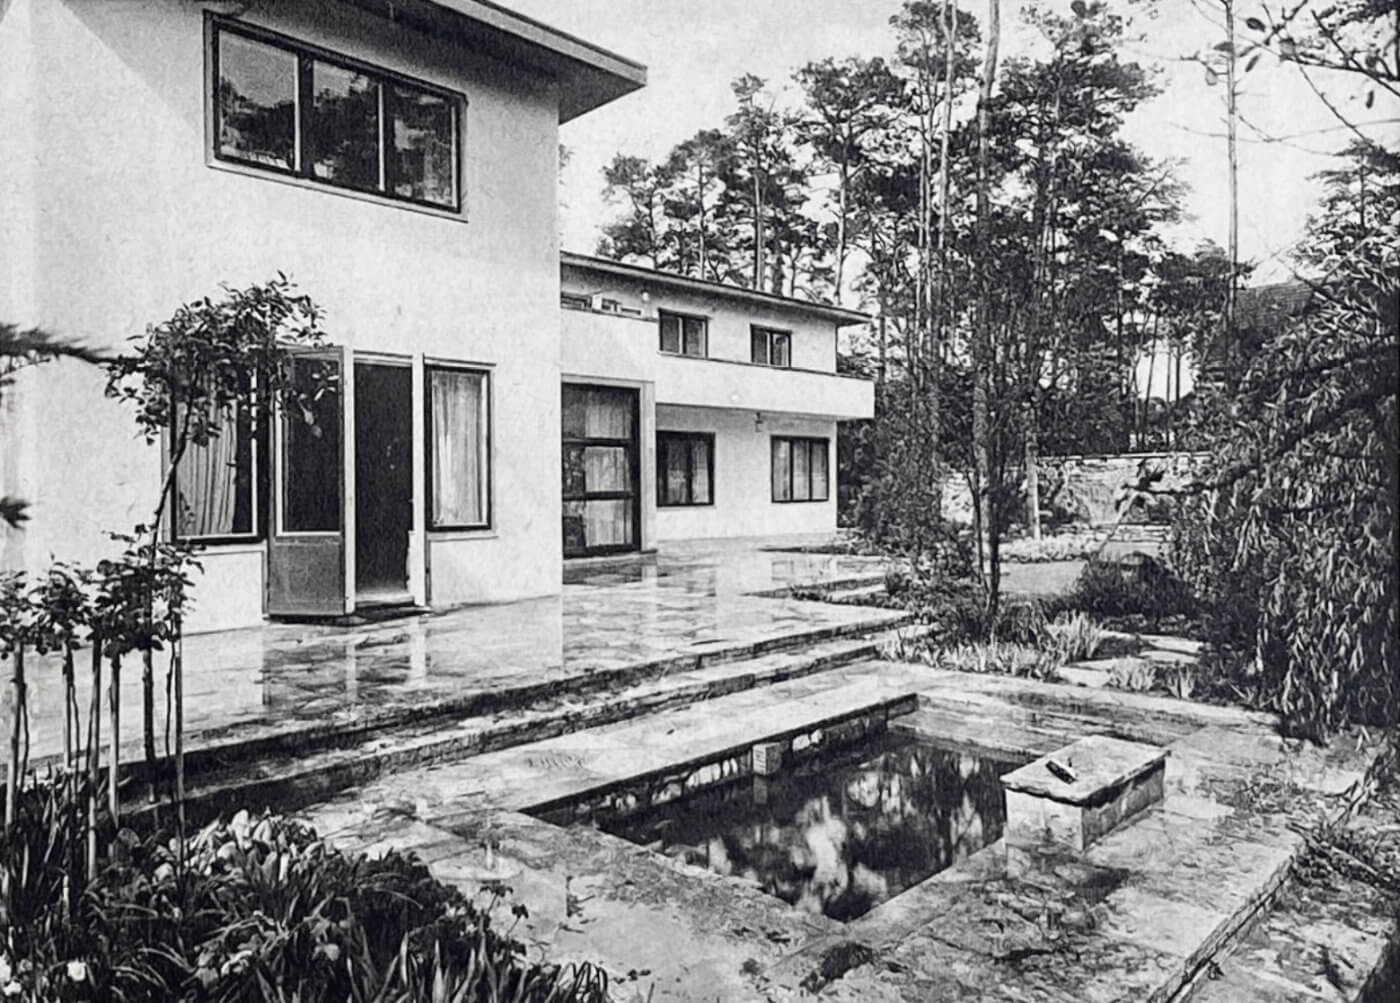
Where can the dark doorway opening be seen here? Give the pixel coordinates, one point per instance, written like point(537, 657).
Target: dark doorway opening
point(383, 481)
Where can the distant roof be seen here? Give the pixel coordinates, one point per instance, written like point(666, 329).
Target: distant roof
point(839, 314)
point(588, 76)
point(1266, 305)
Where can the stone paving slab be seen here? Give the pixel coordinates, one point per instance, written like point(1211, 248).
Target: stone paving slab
point(541, 772)
point(1334, 939)
point(1132, 923)
point(300, 682)
point(299, 777)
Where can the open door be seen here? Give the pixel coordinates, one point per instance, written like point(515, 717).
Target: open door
point(310, 567)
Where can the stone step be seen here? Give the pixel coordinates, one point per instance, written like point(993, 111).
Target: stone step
point(857, 594)
point(295, 777)
point(214, 750)
point(1335, 938)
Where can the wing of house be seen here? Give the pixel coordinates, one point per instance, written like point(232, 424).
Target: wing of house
point(398, 160)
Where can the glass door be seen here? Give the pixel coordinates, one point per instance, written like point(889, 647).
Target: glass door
point(310, 570)
point(600, 459)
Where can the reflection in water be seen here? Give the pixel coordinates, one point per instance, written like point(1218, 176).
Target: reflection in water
point(840, 834)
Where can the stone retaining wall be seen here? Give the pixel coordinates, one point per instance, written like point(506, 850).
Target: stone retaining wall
point(1085, 489)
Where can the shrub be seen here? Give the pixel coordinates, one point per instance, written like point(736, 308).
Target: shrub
point(1146, 588)
point(1137, 675)
point(1181, 682)
point(258, 909)
point(1291, 531)
point(1075, 635)
point(1019, 621)
point(1002, 657)
point(1072, 546)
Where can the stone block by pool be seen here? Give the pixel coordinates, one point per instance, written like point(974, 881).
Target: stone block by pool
point(1072, 796)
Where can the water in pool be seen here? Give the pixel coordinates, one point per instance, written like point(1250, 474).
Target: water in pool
point(838, 834)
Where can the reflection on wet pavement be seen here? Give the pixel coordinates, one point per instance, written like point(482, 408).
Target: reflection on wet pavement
point(692, 600)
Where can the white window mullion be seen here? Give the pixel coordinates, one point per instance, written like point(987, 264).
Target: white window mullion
point(385, 138)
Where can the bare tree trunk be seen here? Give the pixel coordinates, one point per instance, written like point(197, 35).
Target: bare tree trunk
point(17, 712)
point(94, 752)
point(148, 713)
point(177, 656)
point(982, 339)
point(700, 219)
point(1032, 445)
point(1151, 375)
point(1230, 125)
point(114, 707)
point(69, 712)
point(758, 268)
point(884, 346)
point(842, 197)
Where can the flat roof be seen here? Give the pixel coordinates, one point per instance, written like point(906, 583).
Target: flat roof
point(589, 76)
point(839, 314)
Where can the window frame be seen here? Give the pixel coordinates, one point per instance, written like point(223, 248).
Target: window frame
point(689, 439)
point(303, 172)
point(488, 454)
point(261, 486)
point(662, 315)
point(769, 335)
point(808, 443)
point(632, 444)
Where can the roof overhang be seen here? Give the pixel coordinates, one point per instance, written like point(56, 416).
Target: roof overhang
point(838, 315)
point(588, 76)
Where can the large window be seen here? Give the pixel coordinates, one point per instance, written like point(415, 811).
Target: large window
point(683, 334)
point(800, 470)
point(768, 347)
point(685, 472)
point(217, 484)
point(599, 459)
point(285, 107)
point(458, 449)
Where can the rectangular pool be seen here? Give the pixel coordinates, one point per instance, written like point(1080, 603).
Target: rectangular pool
point(837, 833)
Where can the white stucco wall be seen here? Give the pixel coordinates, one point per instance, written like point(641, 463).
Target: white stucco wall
point(813, 338)
point(112, 218)
point(743, 499)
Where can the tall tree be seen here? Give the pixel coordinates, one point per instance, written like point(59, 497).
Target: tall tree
point(767, 173)
point(848, 109)
point(696, 169)
point(640, 186)
point(988, 556)
point(1058, 121)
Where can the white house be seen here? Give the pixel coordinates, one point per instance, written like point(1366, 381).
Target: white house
point(736, 398)
point(398, 159)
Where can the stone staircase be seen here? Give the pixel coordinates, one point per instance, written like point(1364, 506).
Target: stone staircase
point(288, 770)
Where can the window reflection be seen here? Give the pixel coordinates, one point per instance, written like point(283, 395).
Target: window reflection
point(344, 127)
point(340, 123)
point(424, 153)
point(257, 102)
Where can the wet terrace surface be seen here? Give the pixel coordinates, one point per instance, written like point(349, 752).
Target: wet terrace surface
point(695, 600)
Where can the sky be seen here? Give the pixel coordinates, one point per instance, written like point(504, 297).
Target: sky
point(693, 51)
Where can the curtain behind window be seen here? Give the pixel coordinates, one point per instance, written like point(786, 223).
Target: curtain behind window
point(206, 486)
point(459, 496)
point(700, 474)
